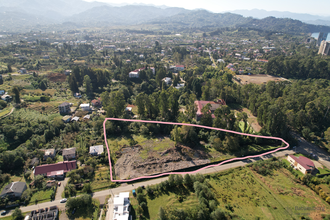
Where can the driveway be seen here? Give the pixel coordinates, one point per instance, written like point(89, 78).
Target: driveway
point(60, 189)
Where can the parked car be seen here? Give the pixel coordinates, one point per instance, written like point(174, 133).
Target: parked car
point(4, 212)
point(59, 183)
point(63, 200)
point(143, 187)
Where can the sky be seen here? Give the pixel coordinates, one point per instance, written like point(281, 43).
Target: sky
point(317, 7)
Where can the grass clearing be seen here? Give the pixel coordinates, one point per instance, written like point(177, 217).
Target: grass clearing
point(5, 111)
point(41, 196)
point(323, 170)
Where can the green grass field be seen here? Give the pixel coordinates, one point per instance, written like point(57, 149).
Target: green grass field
point(251, 196)
point(5, 111)
point(41, 196)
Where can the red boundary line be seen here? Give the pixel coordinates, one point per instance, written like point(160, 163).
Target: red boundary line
point(193, 125)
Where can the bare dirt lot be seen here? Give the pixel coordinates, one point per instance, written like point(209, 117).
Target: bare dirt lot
point(131, 165)
point(57, 77)
point(257, 79)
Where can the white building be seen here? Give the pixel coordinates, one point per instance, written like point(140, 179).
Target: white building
point(121, 205)
point(136, 73)
point(179, 86)
point(303, 164)
point(85, 107)
point(167, 80)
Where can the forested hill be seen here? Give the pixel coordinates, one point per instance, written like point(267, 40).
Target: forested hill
point(203, 18)
point(126, 15)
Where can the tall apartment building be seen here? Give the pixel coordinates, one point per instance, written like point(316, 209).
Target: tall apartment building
point(324, 48)
point(322, 36)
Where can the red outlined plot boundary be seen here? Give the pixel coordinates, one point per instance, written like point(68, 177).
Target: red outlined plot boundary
point(193, 125)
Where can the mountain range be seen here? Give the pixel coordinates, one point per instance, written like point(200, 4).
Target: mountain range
point(25, 15)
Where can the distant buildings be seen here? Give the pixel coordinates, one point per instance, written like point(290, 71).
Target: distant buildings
point(136, 73)
point(324, 48)
point(49, 153)
point(177, 68)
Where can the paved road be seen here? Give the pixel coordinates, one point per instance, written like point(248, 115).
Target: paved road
point(129, 187)
point(60, 189)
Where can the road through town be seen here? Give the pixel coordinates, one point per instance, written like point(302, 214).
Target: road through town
point(101, 195)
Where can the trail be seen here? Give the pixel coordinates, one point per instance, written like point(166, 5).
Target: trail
point(11, 111)
point(193, 125)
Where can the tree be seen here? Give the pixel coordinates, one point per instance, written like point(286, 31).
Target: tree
point(17, 214)
point(10, 70)
point(162, 215)
point(87, 188)
point(207, 115)
point(16, 91)
point(139, 211)
point(88, 85)
point(187, 180)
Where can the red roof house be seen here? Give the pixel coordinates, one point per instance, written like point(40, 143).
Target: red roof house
point(96, 103)
point(214, 106)
point(303, 164)
point(56, 169)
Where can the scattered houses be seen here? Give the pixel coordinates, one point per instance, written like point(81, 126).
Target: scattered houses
point(303, 164)
point(69, 154)
point(57, 170)
point(96, 150)
point(14, 190)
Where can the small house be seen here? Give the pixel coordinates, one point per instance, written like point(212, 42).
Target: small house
point(57, 170)
point(6, 98)
point(66, 119)
point(303, 164)
point(77, 95)
point(69, 154)
point(67, 72)
point(96, 150)
point(49, 153)
point(76, 118)
point(23, 71)
point(13, 190)
point(85, 107)
point(96, 103)
point(167, 80)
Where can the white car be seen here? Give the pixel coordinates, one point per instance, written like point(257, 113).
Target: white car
point(63, 200)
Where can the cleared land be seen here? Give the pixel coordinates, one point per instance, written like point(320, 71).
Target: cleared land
point(257, 79)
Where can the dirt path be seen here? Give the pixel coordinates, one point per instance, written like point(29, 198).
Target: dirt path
point(252, 120)
point(11, 111)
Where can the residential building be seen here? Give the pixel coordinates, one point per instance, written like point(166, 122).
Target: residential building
point(77, 95)
point(49, 153)
point(109, 47)
point(6, 98)
point(69, 154)
point(45, 57)
point(167, 80)
point(136, 73)
point(324, 48)
point(121, 206)
point(64, 108)
point(177, 68)
point(14, 190)
point(23, 71)
point(96, 150)
point(50, 213)
point(85, 107)
point(214, 105)
point(96, 103)
point(67, 72)
point(66, 119)
point(303, 164)
point(56, 170)
point(179, 86)
point(76, 118)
